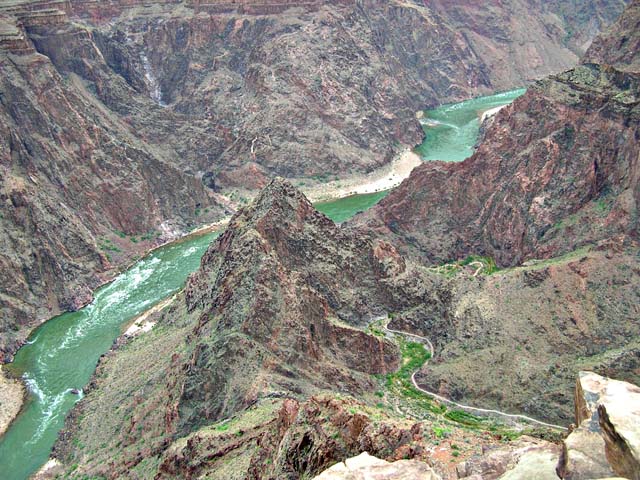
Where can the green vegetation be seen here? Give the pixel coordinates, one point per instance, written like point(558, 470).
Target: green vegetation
point(108, 246)
point(481, 266)
point(414, 355)
point(322, 177)
point(376, 329)
point(150, 235)
point(602, 207)
point(400, 385)
point(441, 432)
point(460, 416)
point(223, 427)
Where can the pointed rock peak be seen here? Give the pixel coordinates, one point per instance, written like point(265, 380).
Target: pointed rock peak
point(281, 204)
point(280, 190)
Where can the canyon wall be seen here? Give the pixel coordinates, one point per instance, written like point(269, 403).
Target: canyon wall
point(81, 194)
point(553, 189)
point(555, 171)
point(124, 119)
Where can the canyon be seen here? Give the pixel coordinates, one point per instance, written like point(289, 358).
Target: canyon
point(131, 122)
point(553, 191)
point(519, 264)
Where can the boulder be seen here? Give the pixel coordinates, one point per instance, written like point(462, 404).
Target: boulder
point(620, 423)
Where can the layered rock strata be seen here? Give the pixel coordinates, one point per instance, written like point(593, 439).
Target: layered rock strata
point(124, 118)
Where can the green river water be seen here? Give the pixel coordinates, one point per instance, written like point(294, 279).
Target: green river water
point(452, 130)
point(62, 354)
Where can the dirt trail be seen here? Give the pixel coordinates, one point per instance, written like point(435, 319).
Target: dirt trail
point(427, 342)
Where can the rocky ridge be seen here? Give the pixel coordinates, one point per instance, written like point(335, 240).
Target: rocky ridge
point(281, 307)
point(552, 188)
point(125, 118)
point(555, 171)
point(282, 290)
point(278, 307)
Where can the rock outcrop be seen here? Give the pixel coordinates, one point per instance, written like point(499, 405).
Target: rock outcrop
point(523, 459)
point(280, 293)
point(606, 442)
point(556, 170)
point(280, 303)
point(366, 466)
point(619, 46)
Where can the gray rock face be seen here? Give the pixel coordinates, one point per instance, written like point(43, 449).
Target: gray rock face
point(523, 459)
point(607, 440)
point(366, 467)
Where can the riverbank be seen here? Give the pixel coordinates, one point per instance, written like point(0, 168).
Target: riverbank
point(385, 178)
point(12, 394)
point(490, 113)
point(141, 324)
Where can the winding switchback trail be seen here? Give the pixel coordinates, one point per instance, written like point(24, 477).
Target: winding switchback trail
point(442, 399)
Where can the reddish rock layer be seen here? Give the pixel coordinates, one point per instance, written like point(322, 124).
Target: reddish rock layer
point(556, 170)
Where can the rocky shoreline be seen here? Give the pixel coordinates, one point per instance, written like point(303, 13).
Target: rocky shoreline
point(12, 394)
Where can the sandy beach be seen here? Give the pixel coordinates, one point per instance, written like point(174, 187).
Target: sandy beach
point(385, 178)
point(490, 113)
point(141, 324)
point(11, 399)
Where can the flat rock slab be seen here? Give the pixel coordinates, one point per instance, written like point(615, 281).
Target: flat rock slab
point(366, 467)
point(523, 459)
point(619, 415)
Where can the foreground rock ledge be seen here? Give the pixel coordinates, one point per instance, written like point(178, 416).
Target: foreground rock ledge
point(607, 440)
point(365, 466)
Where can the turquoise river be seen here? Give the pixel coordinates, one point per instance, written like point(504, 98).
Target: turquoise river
point(62, 354)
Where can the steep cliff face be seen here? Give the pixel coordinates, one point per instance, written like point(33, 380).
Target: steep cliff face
point(619, 46)
point(556, 170)
point(123, 118)
point(280, 294)
point(75, 183)
point(331, 89)
point(279, 307)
